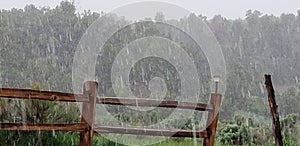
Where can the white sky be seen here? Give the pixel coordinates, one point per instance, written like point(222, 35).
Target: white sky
point(228, 8)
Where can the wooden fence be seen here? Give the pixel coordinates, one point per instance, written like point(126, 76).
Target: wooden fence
point(89, 98)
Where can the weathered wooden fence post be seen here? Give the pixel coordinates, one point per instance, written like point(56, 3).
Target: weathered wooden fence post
point(212, 119)
point(90, 90)
point(274, 111)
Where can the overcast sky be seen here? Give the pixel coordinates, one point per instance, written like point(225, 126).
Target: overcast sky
point(228, 8)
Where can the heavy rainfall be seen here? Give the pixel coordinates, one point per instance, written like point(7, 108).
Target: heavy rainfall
point(38, 45)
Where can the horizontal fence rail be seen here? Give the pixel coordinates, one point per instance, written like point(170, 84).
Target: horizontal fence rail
point(102, 129)
point(44, 127)
point(68, 97)
point(41, 95)
point(89, 98)
point(152, 132)
point(153, 103)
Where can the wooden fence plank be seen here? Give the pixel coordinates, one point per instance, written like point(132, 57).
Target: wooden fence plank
point(43, 127)
point(152, 132)
point(41, 95)
point(153, 103)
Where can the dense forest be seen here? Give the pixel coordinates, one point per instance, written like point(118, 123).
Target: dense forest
point(37, 47)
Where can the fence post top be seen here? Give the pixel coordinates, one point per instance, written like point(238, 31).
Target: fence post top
point(91, 82)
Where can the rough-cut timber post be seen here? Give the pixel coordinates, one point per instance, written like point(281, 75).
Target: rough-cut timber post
point(90, 90)
point(274, 111)
point(212, 119)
